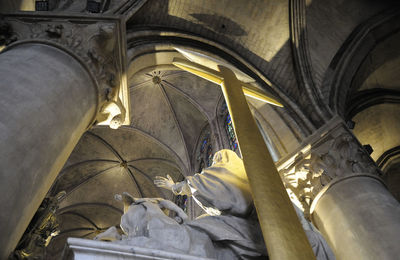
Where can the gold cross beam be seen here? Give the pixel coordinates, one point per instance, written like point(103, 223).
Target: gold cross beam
point(282, 231)
point(217, 78)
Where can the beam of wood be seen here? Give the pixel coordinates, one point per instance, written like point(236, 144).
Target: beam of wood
point(216, 77)
point(281, 228)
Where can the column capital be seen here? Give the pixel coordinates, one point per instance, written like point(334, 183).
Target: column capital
point(329, 155)
point(97, 42)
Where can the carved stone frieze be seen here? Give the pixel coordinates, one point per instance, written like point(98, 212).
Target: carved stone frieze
point(334, 154)
point(97, 42)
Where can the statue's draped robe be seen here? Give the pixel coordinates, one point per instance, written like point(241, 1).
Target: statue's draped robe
point(223, 191)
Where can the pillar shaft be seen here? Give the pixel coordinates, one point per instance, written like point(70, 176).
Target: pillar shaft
point(47, 101)
point(283, 233)
point(360, 219)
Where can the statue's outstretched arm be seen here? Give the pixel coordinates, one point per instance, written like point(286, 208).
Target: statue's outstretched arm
point(179, 188)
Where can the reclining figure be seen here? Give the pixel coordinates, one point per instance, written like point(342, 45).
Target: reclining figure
point(146, 224)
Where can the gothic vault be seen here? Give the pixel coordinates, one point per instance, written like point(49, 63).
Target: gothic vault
point(66, 66)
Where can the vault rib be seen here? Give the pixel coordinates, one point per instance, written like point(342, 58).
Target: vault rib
point(176, 121)
point(189, 98)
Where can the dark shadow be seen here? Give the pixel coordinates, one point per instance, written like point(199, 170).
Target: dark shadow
point(220, 24)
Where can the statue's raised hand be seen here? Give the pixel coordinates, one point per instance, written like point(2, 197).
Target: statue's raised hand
point(162, 182)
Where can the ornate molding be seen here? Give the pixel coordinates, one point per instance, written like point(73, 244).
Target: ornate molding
point(97, 41)
point(338, 78)
point(126, 8)
point(368, 98)
point(319, 112)
point(333, 154)
point(388, 157)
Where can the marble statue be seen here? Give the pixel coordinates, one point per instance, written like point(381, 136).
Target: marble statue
point(145, 224)
point(112, 113)
point(229, 230)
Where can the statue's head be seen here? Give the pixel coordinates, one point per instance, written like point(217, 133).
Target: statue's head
point(116, 122)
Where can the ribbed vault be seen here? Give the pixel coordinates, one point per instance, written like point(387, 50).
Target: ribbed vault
point(374, 106)
point(301, 51)
point(169, 108)
point(373, 103)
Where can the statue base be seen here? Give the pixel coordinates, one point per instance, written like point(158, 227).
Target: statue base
point(85, 249)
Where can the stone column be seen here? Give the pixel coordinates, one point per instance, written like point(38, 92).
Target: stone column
point(360, 218)
point(340, 188)
point(48, 100)
point(58, 75)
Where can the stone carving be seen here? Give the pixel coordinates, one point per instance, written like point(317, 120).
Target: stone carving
point(42, 228)
point(230, 230)
point(54, 31)
point(301, 183)
point(340, 156)
point(95, 42)
point(145, 224)
point(336, 155)
point(112, 113)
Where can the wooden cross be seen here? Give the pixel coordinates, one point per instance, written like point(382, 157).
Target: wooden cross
point(282, 231)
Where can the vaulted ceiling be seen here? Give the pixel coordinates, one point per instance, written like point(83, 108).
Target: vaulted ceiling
point(296, 50)
point(169, 108)
point(374, 106)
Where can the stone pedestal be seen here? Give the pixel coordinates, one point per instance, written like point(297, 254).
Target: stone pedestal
point(339, 187)
point(84, 249)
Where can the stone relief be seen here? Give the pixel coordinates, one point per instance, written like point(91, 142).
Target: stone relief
point(93, 43)
point(336, 155)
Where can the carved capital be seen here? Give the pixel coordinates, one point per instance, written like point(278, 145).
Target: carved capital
point(331, 155)
point(97, 42)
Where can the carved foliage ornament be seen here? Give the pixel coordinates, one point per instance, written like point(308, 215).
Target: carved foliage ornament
point(336, 155)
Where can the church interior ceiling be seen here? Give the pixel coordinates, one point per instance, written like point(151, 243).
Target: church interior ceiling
point(374, 107)
point(170, 108)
